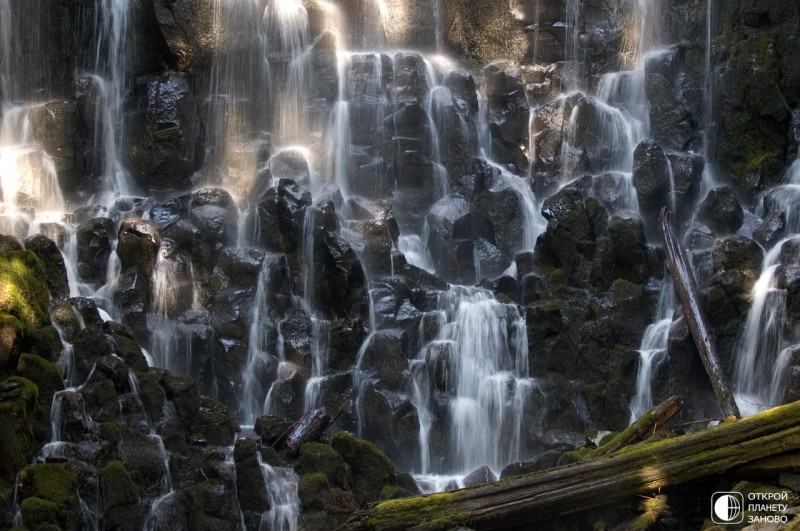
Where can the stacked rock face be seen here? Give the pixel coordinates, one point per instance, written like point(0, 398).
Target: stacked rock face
point(317, 215)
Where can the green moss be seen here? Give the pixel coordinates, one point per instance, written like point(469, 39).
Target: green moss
point(50, 482)
point(23, 291)
point(503, 298)
point(393, 492)
point(355, 449)
point(435, 511)
point(17, 441)
point(117, 486)
point(37, 512)
point(45, 374)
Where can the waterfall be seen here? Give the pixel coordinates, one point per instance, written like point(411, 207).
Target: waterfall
point(284, 503)
point(257, 347)
point(485, 378)
point(114, 40)
point(653, 352)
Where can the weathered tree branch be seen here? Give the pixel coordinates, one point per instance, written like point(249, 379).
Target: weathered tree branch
point(686, 287)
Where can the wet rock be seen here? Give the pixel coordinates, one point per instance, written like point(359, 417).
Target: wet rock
point(569, 243)
point(55, 270)
point(212, 505)
point(120, 496)
point(624, 254)
point(18, 400)
point(279, 217)
point(372, 241)
point(480, 475)
point(316, 457)
point(167, 150)
point(687, 174)
point(242, 265)
point(771, 230)
point(252, 494)
point(497, 211)
point(721, 211)
point(449, 242)
point(91, 344)
point(372, 470)
point(384, 355)
point(671, 87)
point(507, 104)
point(651, 177)
point(343, 289)
point(94, 247)
point(138, 243)
point(792, 391)
point(45, 374)
point(48, 498)
point(296, 330)
point(270, 428)
point(289, 392)
point(187, 27)
point(390, 419)
point(100, 396)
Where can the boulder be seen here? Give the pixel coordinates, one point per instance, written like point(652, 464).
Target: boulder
point(55, 270)
point(94, 248)
point(721, 211)
point(651, 177)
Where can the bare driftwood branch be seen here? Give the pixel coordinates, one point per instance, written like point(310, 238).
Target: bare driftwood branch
point(686, 287)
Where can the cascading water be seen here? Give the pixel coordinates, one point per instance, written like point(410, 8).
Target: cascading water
point(480, 356)
point(114, 40)
point(653, 353)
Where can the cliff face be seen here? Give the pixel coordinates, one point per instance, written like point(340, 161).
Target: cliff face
point(372, 207)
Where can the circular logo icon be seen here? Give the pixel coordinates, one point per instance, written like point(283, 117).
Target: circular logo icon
point(726, 507)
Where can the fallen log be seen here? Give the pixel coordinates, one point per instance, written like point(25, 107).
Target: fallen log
point(686, 287)
point(308, 428)
point(635, 470)
point(645, 425)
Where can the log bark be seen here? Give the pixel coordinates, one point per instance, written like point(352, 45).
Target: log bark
point(645, 425)
point(686, 287)
point(308, 428)
point(636, 470)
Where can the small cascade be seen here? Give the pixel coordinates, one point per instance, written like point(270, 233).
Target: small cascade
point(320, 339)
point(480, 356)
point(534, 224)
point(653, 352)
point(360, 382)
point(114, 40)
point(573, 78)
point(287, 31)
point(763, 351)
point(761, 340)
point(438, 99)
point(284, 503)
point(339, 164)
point(257, 346)
point(164, 339)
point(28, 178)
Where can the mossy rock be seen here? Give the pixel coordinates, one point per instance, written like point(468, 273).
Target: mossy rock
point(23, 291)
point(116, 486)
point(320, 457)
point(44, 373)
point(212, 506)
point(38, 513)
point(18, 401)
point(372, 470)
point(311, 489)
point(55, 486)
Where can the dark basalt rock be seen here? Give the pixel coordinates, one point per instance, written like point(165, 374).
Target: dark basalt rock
point(480, 475)
point(721, 211)
point(94, 247)
point(651, 177)
point(55, 270)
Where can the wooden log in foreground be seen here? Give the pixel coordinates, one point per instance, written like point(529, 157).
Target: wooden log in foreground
point(686, 287)
point(636, 470)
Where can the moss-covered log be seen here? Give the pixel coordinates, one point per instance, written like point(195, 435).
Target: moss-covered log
point(686, 287)
point(639, 469)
